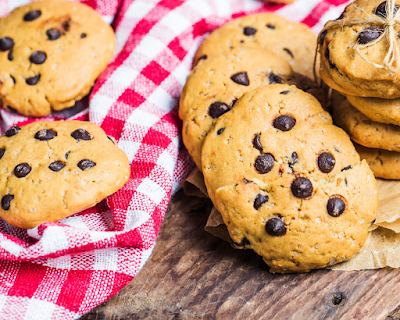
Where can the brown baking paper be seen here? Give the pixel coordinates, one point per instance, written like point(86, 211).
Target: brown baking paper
point(382, 248)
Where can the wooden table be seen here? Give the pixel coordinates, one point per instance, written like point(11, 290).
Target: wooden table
point(194, 275)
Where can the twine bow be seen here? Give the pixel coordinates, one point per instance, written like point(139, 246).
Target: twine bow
point(387, 25)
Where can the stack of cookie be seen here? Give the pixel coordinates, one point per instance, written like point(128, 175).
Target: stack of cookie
point(357, 61)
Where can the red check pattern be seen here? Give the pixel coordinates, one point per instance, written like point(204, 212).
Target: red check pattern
point(63, 270)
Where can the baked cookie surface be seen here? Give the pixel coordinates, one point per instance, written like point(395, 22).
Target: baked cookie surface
point(289, 184)
point(216, 83)
point(51, 170)
point(51, 52)
point(364, 131)
point(268, 31)
point(352, 73)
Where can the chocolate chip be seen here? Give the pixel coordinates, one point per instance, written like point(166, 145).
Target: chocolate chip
point(259, 201)
point(2, 151)
point(6, 43)
point(284, 92)
point(273, 78)
point(86, 164)
point(241, 78)
point(66, 25)
point(45, 134)
point(322, 37)
point(12, 131)
point(33, 80)
point(335, 206)
point(83, 35)
point(302, 187)
point(109, 138)
point(220, 131)
point(284, 123)
point(381, 10)
point(32, 15)
point(294, 160)
point(67, 154)
point(270, 26)
point(38, 57)
point(233, 102)
point(257, 142)
point(264, 163)
point(373, 221)
point(275, 227)
point(346, 168)
point(288, 52)
point(217, 109)
point(22, 170)
point(6, 201)
point(246, 181)
point(10, 55)
point(368, 35)
point(81, 134)
point(56, 166)
point(53, 34)
point(243, 243)
point(326, 162)
point(249, 31)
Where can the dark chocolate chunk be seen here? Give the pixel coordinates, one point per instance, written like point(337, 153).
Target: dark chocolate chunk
point(284, 92)
point(56, 166)
point(33, 80)
point(22, 170)
point(6, 201)
point(53, 34)
point(241, 78)
point(12, 131)
point(368, 35)
point(346, 168)
point(288, 52)
point(264, 163)
point(273, 78)
point(246, 181)
point(217, 109)
point(243, 243)
point(66, 25)
point(81, 134)
point(249, 31)
point(233, 102)
point(109, 138)
point(373, 221)
point(322, 37)
point(294, 159)
point(270, 26)
point(6, 43)
point(67, 155)
point(32, 15)
point(2, 151)
point(260, 200)
point(302, 187)
point(86, 164)
point(284, 123)
point(10, 55)
point(381, 10)
point(45, 134)
point(275, 227)
point(220, 131)
point(326, 162)
point(83, 35)
point(257, 142)
point(335, 206)
point(38, 57)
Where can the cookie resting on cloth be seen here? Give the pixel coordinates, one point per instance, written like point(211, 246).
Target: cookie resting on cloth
point(288, 183)
point(51, 52)
point(295, 42)
point(51, 170)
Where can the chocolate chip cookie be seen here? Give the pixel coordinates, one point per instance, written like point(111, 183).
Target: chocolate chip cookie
point(288, 183)
point(51, 170)
point(353, 53)
point(216, 83)
point(364, 131)
point(51, 52)
point(292, 41)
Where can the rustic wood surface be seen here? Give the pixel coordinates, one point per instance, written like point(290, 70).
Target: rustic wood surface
point(194, 275)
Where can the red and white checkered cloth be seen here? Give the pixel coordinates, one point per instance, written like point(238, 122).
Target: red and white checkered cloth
point(63, 270)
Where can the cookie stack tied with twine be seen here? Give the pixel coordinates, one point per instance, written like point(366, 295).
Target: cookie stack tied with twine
point(360, 58)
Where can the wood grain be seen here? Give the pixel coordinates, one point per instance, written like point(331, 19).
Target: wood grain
point(193, 275)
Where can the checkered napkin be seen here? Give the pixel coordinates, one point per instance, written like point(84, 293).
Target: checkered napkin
point(63, 270)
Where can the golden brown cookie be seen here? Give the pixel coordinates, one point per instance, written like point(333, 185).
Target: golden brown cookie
point(292, 41)
point(51, 170)
point(288, 183)
point(364, 131)
point(51, 52)
point(216, 83)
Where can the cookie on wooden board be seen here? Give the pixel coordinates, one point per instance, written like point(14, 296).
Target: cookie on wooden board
point(51, 52)
point(288, 183)
point(51, 170)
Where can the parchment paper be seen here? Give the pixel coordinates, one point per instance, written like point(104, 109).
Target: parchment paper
point(381, 249)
